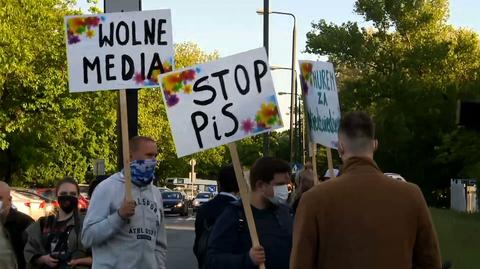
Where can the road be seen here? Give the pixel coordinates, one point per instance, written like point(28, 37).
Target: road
point(180, 236)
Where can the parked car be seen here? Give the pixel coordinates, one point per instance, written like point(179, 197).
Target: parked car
point(395, 176)
point(84, 191)
point(175, 203)
point(49, 193)
point(164, 189)
point(31, 203)
point(200, 199)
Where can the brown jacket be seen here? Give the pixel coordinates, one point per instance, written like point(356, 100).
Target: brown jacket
point(364, 219)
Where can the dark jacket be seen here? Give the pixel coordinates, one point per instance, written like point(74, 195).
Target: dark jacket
point(206, 216)
point(230, 243)
point(35, 246)
point(16, 223)
point(364, 219)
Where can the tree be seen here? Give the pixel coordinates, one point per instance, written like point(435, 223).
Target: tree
point(46, 132)
point(408, 69)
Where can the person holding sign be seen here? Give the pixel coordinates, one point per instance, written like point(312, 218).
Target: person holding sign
point(230, 245)
point(128, 234)
point(363, 219)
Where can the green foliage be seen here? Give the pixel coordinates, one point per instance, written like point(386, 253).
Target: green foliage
point(45, 132)
point(94, 9)
point(408, 70)
point(459, 237)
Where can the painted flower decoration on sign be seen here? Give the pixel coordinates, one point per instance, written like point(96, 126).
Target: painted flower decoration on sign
point(268, 115)
point(80, 26)
point(306, 76)
point(178, 82)
point(248, 125)
point(153, 81)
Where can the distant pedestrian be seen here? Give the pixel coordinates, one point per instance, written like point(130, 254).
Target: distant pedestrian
point(230, 246)
point(363, 219)
point(128, 234)
point(210, 211)
point(95, 183)
point(305, 183)
point(14, 222)
point(54, 241)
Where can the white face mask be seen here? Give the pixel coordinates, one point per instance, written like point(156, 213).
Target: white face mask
point(280, 194)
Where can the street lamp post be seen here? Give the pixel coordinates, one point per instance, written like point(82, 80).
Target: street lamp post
point(297, 126)
point(294, 59)
point(266, 136)
point(293, 115)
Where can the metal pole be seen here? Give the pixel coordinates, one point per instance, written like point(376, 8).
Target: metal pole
point(266, 8)
point(293, 93)
point(299, 135)
point(132, 94)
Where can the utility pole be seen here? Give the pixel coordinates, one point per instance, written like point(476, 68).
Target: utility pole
point(266, 8)
point(132, 94)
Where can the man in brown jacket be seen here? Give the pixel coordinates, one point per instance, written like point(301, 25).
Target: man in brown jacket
point(363, 219)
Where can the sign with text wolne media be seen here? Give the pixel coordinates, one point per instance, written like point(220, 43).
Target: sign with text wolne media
point(125, 50)
point(212, 104)
point(319, 88)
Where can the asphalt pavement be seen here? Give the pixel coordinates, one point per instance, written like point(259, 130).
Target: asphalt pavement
point(180, 237)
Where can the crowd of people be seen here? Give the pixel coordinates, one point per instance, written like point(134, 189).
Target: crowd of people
point(361, 219)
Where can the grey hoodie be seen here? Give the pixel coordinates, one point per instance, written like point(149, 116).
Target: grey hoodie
point(139, 242)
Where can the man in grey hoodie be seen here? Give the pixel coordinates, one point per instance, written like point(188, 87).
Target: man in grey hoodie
point(128, 234)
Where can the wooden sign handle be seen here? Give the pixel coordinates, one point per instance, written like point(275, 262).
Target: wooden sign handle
point(244, 194)
point(330, 163)
point(125, 145)
point(313, 148)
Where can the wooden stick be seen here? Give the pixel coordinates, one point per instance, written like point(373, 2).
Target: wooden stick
point(244, 194)
point(313, 148)
point(330, 163)
point(125, 145)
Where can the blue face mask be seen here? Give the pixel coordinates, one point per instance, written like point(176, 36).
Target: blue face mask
point(143, 171)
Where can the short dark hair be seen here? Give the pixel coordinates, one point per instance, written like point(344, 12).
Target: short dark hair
point(358, 131)
point(227, 181)
point(265, 168)
point(136, 140)
point(357, 124)
point(67, 179)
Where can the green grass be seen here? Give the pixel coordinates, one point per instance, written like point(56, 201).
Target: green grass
point(459, 236)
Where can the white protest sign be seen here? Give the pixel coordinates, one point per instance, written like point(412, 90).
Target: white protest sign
point(223, 101)
point(124, 50)
point(320, 92)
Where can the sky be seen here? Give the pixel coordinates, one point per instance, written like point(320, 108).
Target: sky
point(231, 27)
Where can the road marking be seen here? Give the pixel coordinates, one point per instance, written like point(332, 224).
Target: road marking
point(179, 228)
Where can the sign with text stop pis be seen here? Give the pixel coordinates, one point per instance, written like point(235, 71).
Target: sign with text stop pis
point(216, 103)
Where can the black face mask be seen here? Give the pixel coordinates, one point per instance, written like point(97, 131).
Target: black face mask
point(68, 203)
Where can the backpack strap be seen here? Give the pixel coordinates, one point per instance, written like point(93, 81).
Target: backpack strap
point(241, 221)
point(45, 222)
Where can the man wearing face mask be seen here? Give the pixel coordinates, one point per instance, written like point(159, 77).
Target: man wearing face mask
point(14, 222)
point(363, 219)
point(230, 245)
point(128, 234)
